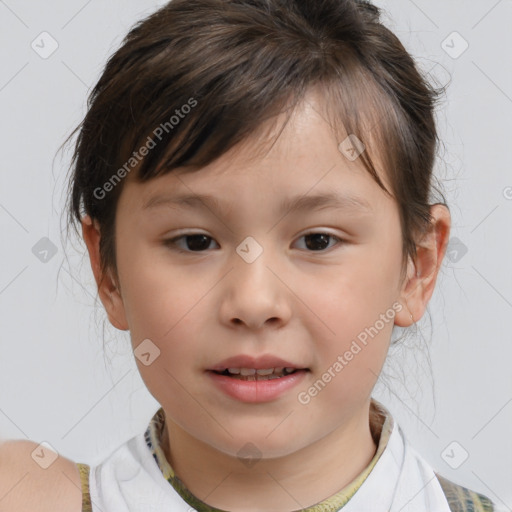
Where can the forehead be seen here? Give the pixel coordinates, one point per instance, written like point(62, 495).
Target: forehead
point(284, 160)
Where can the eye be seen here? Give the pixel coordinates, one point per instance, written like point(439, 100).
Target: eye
point(319, 241)
point(196, 242)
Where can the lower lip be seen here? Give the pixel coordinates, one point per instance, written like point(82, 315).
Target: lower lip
point(254, 391)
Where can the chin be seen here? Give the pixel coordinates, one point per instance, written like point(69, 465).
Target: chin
point(256, 445)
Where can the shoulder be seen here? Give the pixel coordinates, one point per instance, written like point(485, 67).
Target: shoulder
point(461, 499)
point(34, 478)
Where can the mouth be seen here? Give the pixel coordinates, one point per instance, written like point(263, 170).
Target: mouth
point(253, 374)
point(260, 380)
point(245, 367)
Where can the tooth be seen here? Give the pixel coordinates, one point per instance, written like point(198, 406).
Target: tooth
point(247, 371)
point(235, 371)
point(289, 369)
point(278, 370)
point(266, 371)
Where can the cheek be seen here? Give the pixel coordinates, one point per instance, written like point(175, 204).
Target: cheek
point(163, 312)
point(162, 306)
point(157, 295)
point(350, 316)
point(350, 296)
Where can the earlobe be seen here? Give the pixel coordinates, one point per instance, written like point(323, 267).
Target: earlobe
point(423, 272)
point(405, 317)
point(107, 289)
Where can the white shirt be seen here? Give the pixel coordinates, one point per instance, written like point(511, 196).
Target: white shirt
point(130, 480)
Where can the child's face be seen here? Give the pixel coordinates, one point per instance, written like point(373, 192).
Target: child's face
point(304, 300)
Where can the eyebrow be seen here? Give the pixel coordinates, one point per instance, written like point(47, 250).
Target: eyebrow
point(334, 200)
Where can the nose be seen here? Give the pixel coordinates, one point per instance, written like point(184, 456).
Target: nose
point(255, 294)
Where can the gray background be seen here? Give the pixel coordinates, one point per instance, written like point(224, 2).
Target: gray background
point(58, 384)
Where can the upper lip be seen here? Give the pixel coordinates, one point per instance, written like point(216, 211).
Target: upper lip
point(258, 363)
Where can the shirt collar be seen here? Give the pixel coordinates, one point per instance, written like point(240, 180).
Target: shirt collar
point(381, 426)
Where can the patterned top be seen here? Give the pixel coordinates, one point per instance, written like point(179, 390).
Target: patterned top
point(459, 498)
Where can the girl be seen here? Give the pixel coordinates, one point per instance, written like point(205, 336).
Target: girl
point(296, 141)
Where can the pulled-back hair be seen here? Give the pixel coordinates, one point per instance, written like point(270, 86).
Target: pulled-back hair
point(199, 76)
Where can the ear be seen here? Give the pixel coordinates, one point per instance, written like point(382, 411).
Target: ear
point(422, 274)
point(107, 290)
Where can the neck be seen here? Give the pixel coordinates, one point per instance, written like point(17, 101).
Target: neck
point(284, 483)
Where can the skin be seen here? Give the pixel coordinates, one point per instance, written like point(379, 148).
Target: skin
point(301, 304)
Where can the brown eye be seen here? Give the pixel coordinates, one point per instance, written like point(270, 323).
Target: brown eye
point(193, 242)
point(318, 241)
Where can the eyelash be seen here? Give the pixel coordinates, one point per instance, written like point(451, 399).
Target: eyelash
point(172, 242)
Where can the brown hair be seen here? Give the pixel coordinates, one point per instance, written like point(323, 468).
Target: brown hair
point(202, 75)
